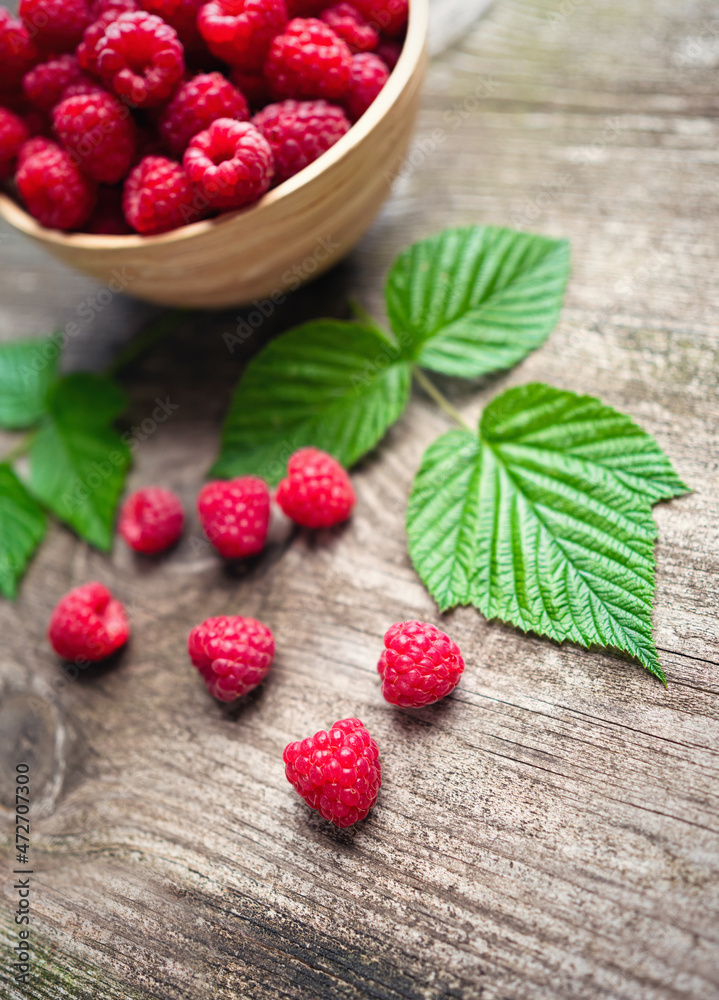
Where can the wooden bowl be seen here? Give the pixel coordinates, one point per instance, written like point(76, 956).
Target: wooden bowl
point(294, 233)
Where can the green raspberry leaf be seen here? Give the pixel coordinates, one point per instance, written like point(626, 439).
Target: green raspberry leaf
point(78, 461)
point(335, 385)
point(543, 519)
point(27, 368)
point(22, 528)
point(475, 300)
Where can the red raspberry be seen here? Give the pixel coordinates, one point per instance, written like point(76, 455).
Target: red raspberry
point(369, 75)
point(196, 105)
point(54, 190)
point(347, 22)
point(108, 219)
point(100, 7)
point(57, 25)
point(44, 86)
point(308, 60)
point(141, 58)
point(38, 144)
point(338, 772)
point(230, 163)
point(299, 132)
point(389, 52)
point(252, 85)
point(317, 492)
point(182, 16)
point(151, 520)
point(14, 133)
point(18, 53)
point(233, 654)
point(390, 16)
point(88, 624)
point(240, 31)
point(100, 134)
point(158, 197)
point(83, 87)
point(419, 664)
point(89, 47)
point(235, 515)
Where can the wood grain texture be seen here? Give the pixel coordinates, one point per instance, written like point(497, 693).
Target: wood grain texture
point(552, 829)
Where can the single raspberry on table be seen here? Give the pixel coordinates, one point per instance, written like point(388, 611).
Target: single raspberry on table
point(232, 653)
point(317, 492)
point(14, 133)
point(336, 772)
point(56, 25)
point(45, 84)
point(240, 31)
point(230, 163)
point(108, 219)
point(158, 197)
point(196, 105)
point(299, 131)
point(235, 515)
point(18, 52)
point(99, 132)
point(88, 624)
point(55, 192)
point(182, 16)
point(140, 58)
point(419, 664)
point(388, 16)
point(367, 77)
point(308, 60)
point(151, 520)
point(347, 22)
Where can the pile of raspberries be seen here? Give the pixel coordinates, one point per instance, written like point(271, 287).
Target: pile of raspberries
point(141, 116)
point(337, 772)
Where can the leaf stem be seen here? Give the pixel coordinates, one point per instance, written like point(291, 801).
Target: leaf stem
point(19, 448)
point(442, 402)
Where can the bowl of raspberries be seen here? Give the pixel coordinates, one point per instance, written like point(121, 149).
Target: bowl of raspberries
point(211, 153)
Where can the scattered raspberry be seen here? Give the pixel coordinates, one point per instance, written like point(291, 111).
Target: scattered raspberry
point(45, 84)
point(308, 60)
point(252, 85)
point(182, 16)
point(230, 163)
point(347, 22)
point(368, 76)
point(299, 131)
point(99, 132)
point(141, 58)
point(88, 624)
point(235, 515)
point(13, 134)
point(151, 520)
point(18, 53)
point(54, 190)
point(389, 52)
point(158, 197)
point(195, 107)
point(233, 654)
point(38, 144)
point(57, 25)
point(419, 664)
point(317, 492)
point(338, 772)
point(389, 16)
point(240, 31)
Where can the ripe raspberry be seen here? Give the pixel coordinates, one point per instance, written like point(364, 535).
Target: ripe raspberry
point(389, 52)
point(45, 85)
point(182, 16)
point(108, 219)
point(389, 16)
point(158, 197)
point(57, 25)
point(38, 144)
point(100, 7)
point(89, 47)
point(235, 515)
point(88, 624)
point(140, 58)
point(299, 131)
point(18, 53)
point(196, 105)
point(13, 134)
point(419, 664)
point(233, 654)
point(317, 492)
point(308, 60)
point(240, 31)
point(54, 190)
point(336, 772)
point(347, 22)
point(99, 132)
point(82, 87)
point(230, 163)
point(368, 76)
point(151, 520)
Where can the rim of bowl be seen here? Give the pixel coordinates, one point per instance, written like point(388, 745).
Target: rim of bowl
point(412, 52)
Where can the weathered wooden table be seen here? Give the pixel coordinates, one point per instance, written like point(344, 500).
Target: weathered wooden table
point(552, 829)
